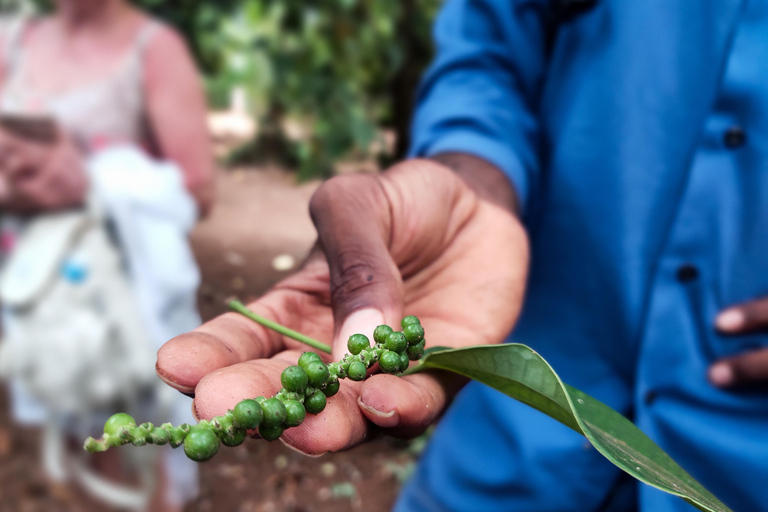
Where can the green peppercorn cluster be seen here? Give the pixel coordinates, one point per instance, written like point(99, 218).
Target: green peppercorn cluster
point(306, 388)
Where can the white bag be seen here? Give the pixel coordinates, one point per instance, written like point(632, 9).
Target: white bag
point(72, 333)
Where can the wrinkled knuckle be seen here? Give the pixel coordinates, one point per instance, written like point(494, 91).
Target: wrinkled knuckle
point(352, 274)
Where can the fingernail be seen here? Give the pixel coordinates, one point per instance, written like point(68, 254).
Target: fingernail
point(187, 390)
point(383, 419)
point(721, 375)
point(314, 456)
point(730, 320)
point(363, 321)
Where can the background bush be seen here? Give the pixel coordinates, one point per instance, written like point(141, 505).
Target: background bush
point(343, 70)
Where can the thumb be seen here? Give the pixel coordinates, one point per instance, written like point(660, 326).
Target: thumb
point(353, 221)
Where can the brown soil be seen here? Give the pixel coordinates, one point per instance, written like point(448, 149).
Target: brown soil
point(259, 216)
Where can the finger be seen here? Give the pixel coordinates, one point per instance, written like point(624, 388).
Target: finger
point(8, 146)
point(13, 165)
point(229, 339)
point(352, 217)
point(31, 191)
point(220, 390)
point(748, 317)
point(25, 160)
point(5, 189)
point(742, 370)
point(407, 405)
point(341, 425)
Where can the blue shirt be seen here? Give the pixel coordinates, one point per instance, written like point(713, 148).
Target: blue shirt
point(636, 135)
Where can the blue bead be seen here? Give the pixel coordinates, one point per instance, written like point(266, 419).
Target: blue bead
point(74, 272)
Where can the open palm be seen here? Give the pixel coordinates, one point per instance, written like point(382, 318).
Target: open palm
point(413, 241)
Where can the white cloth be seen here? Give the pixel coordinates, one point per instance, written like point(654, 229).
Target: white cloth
point(152, 213)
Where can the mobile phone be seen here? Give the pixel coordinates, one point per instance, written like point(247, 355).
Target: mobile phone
point(41, 129)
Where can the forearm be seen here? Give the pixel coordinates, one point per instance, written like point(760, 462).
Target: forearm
point(487, 180)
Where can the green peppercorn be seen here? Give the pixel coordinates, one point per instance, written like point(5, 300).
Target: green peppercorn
point(396, 342)
point(270, 433)
point(404, 361)
point(381, 332)
point(294, 379)
point(315, 403)
point(294, 413)
point(201, 443)
point(307, 358)
point(232, 439)
point(389, 362)
point(357, 342)
point(318, 374)
point(409, 320)
point(357, 371)
point(415, 352)
point(274, 412)
point(331, 388)
point(414, 333)
point(247, 414)
point(118, 421)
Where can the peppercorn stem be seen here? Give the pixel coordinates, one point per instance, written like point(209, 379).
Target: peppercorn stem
point(306, 389)
point(239, 307)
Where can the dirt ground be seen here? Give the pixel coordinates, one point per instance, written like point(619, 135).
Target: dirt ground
point(258, 232)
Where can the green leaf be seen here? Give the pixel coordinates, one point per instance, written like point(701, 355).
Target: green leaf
point(519, 372)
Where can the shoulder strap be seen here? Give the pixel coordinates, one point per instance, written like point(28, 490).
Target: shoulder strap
point(145, 35)
point(13, 47)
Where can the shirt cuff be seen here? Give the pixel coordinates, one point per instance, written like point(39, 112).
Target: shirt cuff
point(498, 153)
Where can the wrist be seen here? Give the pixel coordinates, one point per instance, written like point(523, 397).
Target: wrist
point(484, 178)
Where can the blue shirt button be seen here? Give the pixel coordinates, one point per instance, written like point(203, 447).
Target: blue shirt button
point(687, 273)
point(734, 137)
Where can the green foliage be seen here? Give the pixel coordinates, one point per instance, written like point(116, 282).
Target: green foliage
point(340, 70)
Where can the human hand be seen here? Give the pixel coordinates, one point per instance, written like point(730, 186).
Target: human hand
point(748, 368)
point(38, 176)
point(414, 240)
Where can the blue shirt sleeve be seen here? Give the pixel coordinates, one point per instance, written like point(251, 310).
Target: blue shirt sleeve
point(480, 94)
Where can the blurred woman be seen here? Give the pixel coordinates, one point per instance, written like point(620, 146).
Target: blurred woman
point(96, 74)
